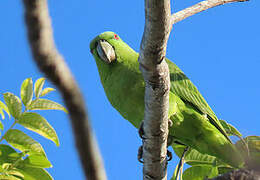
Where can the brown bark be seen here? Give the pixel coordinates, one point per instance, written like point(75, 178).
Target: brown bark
point(51, 63)
point(156, 75)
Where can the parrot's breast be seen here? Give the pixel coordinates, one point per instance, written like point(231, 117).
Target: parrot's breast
point(125, 88)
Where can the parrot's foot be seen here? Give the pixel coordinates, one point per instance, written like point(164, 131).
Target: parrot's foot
point(140, 155)
point(170, 123)
point(170, 140)
point(141, 130)
point(169, 155)
point(181, 162)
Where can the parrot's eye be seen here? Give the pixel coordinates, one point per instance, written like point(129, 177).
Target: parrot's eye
point(116, 37)
point(105, 51)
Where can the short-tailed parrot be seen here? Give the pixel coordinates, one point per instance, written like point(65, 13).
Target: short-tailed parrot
point(194, 124)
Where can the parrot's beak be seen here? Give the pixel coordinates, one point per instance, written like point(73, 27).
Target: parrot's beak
point(105, 51)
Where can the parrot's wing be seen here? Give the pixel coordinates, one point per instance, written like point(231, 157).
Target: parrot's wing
point(184, 88)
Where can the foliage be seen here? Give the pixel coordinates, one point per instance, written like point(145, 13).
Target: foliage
point(24, 157)
point(206, 166)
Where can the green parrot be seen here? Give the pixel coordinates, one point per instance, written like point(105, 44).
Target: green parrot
point(194, 124)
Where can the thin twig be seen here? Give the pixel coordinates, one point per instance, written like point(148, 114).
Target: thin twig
point(156, 75)
point(202, 6)
point(52, 64)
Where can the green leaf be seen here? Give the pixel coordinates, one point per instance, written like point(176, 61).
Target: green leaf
point(36, 161)
point(27, 91)
point(14, 104)
point(5, 152)
point(45, 104)
point(223, 170)
point(8, 177)
point(38, 86)
point(35, 122)
point(35, 173)
point(23, 142)
point(193, 157)
point(46, 91)
point(9, 171)
point(1, 126)
point(234, 131)
point(231, 130)
point(6, 166)
point(16, 155)
point(200, 172)
point(15, 173)
point(3, 106)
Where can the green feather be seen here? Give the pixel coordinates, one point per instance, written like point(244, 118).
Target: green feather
point(194, 122)
point(184, 88)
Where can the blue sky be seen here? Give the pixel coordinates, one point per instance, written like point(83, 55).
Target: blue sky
point(218, 50)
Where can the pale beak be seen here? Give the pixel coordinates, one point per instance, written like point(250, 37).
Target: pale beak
point(105, 51)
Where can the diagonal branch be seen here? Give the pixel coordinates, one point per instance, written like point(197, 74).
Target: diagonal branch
point(52, 64)
point(202, 6)
point(156, 75)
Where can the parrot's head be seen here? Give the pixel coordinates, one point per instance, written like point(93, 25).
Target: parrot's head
point(104, 47)
point(111, 53)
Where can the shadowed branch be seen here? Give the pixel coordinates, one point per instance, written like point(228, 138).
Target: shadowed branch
point(50, 62)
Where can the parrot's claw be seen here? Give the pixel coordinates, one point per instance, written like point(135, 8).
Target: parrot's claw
point(170, 123)
point(170, 138)
point(140, 154)
point(141, 130)
point(169, 155)
point(140, 150)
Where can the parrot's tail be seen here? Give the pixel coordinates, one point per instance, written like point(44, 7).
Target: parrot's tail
point(223, 150)
point(230, 155)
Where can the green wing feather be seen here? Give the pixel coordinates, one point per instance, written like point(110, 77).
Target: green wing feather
point(184, 88)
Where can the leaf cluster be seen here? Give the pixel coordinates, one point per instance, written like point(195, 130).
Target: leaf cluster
point(23, 157)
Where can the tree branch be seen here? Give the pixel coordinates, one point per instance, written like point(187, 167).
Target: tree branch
point(242, 174)
point(52, 64)
point(202, 6)
point(156, 75)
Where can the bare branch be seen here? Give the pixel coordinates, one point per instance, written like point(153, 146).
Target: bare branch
point(202, 6)
point(156, 75)
point(52, 64)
